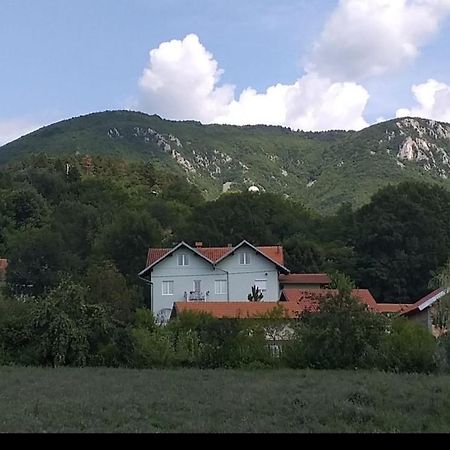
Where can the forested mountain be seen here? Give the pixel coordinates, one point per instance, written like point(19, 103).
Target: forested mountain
point(324, 169)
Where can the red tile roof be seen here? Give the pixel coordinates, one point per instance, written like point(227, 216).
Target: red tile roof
point(274, 252)
point(305, 278)
point(307, 299)
point(231, 310)
point(215, 253)
point(392, 307)
point(3, 264)
point(297, 301)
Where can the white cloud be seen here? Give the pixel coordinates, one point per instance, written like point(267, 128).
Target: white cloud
point(182, 82)
point(365, 38)
point(311, 103)
point(433, 100)
point(362, 38)
point(14, 128)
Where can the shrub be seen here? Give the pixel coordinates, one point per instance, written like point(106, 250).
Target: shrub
point(341, 334)
point(408, 347)
point(153, 348)
point(14, 330)
point(293, 354)
point(66, 329)
point(187, 348)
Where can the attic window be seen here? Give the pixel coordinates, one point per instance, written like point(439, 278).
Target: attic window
point(244, 258)
point(183, 260)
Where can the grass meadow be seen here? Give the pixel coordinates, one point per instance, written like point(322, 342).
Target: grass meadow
point(220, 401)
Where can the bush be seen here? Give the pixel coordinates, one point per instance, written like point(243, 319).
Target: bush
point(65, 329)
point(14, 329)
point(408, 347)
point(293, 354)
point(443, 352)
point(153, 348)
point(211, 343)
point(342, 334)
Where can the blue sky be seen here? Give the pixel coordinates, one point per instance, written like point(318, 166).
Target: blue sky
point(65, 58)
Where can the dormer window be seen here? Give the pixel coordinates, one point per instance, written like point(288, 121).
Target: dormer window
point(244, 258)
point(183, 260)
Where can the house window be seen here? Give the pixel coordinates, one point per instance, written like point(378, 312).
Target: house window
point(221, 286)
point(244, 258)
point(183, 260)
point(167, 288)
point(261, 284)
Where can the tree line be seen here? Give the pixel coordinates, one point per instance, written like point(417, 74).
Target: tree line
point(82, 215)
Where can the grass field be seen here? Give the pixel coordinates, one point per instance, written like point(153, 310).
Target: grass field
point(121, 400)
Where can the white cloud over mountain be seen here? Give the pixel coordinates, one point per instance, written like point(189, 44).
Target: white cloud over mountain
point(433, 100)
point(361, 39)
point(182, 82)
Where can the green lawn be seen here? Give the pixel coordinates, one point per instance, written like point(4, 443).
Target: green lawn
point(122, 400)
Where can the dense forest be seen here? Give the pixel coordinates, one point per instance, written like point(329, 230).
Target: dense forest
point(94, 218)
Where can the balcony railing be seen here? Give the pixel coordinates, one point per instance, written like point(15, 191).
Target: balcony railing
point(195, 296)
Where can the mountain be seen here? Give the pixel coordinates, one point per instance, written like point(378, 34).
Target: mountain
point(323, 169)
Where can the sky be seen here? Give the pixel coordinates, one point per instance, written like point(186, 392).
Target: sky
point(303, 64)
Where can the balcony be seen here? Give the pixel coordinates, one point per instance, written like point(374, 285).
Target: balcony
point(196, 296)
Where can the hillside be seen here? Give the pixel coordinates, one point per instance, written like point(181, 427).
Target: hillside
point(323, 169)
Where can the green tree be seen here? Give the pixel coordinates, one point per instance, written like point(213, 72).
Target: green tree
point(342, 334)
point(126, 241)
point(37, 260)
point(402, 237)
point(303, 256)
point(441, 309)
point(408, 347)
point(108, 287)
point(65, 327)
point(256, 295)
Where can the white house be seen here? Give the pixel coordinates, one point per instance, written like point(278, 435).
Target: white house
point(211, 274)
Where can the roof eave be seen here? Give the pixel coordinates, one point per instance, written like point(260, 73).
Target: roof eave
point(181, 244)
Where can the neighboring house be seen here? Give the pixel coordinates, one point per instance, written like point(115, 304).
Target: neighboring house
point(420, 311)
point(3, 267)
point(304, 281)
point(211, 274)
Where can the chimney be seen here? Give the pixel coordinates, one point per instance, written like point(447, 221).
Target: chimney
point(230, 245)
point(199, 244)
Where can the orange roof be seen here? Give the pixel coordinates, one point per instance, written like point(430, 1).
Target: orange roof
point(307, 298)
point(233, 310)
point(215, 253)
point(392, 307)
point(3, 264)
point(297, 301)
point(305, 278)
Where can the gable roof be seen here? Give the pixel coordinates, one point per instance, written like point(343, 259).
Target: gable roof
point(307, 299)
point(305, 278)
point(426, 301)
point(268, 253)
point(157, 256)
point(215, 254)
